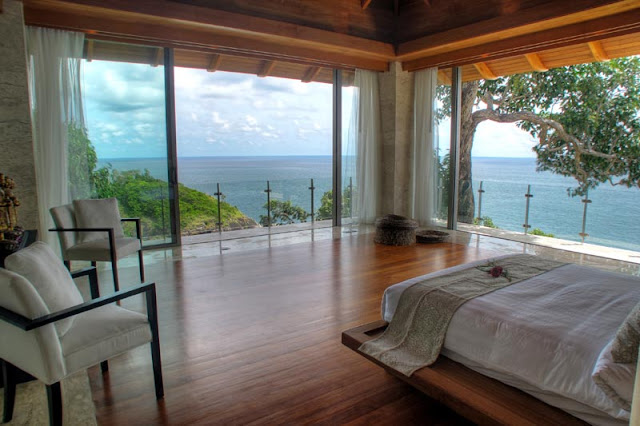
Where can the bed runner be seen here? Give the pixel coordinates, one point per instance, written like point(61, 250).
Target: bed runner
point(417, 331)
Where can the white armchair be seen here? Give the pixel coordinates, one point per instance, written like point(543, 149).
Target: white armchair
point(48, 331)
point(91, 230)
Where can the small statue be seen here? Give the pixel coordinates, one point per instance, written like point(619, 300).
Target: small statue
point(9, 229)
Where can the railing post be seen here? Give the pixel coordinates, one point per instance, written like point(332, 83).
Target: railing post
point(527, 196)
point(480, 192)
point(313, 214)
point(218, 194)
point(351, 198)
point(586, 202)
point(268, 191)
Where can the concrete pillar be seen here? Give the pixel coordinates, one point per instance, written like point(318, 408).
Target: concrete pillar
point(16, 142)
point(396, 112)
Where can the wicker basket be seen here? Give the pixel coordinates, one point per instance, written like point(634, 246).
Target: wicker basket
point(395, 230)
point(431, 236)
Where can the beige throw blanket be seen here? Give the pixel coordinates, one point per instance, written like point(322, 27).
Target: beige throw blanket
point(415, 336)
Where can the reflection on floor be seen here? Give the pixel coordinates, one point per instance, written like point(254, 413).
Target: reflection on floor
point(240, 241)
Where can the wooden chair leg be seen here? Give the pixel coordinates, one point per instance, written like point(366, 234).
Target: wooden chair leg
point(141, 261)
point(54, 395)
point(9, 383)
point(114, 269)
point(104, 366)
point(152, 315)
point(157, 368)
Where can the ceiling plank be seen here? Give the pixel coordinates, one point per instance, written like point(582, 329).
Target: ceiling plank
point(444, 78)
point(598, 51)
point(311, 74)
point(485, 71)
point(266, 68)
point(134, 28)
point(214, 62)
point(89, 57)
point(365, 4)
point(428, 3)
point(609, 26)
point(159, 56)
point(396, 7)
point(531, 20)
point(535, 62)
point(1, 8)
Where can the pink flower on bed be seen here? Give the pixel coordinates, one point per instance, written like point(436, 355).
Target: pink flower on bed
point(496, 271)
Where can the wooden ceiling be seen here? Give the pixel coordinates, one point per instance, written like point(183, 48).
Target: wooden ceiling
point(304, 38)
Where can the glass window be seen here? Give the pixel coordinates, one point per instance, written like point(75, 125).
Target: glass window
point(238, 132)
point(124, 145)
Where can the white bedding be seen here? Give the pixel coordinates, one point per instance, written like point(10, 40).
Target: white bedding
point(542, 335)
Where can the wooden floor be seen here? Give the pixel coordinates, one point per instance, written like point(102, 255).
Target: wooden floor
point(254, 338)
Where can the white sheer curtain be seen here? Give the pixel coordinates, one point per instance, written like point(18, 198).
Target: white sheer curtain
point(424, 170)
point(56, 103)
point(363, 147)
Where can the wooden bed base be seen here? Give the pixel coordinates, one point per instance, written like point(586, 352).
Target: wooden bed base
point(478, 398)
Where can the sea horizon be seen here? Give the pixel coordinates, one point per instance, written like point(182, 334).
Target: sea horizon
point(611, 218)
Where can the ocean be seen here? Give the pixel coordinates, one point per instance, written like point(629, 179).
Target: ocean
point(612, 216)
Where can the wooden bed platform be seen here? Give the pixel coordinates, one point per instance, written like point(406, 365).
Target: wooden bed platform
point(478, 398)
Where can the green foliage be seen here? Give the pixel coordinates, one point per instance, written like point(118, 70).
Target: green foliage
point(283, 213)
point(444, 179)
point(325, 211)
point(485, 221)
point(82, 161)
point(598, 107)
point(141, 195)
point(538, 231)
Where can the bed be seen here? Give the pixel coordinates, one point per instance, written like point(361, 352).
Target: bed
point(545, 336)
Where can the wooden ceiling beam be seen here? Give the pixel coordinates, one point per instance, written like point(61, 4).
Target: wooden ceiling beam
point(531, 20)
point(311, 74)
point(598, 51)
point(485, 71)
point(266, 68)
point(598, 29)
point(535, 62)
point(214, 62)
point(171, 33)
point(175, 14)
point(365, 4)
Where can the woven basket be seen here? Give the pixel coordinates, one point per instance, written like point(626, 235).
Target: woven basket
point(395, 230)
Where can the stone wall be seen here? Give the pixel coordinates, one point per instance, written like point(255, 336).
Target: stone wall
point(16, 143)
point(396, 114)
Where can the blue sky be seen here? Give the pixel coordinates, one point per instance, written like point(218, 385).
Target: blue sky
point(229, 114)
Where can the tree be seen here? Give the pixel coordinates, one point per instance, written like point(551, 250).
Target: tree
point(325, 211)
point(82, 161)
point(585, 117)
point(283, 213)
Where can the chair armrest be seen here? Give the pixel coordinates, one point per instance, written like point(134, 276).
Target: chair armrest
point(138, 226)
point(27, 324)
point(80, 229)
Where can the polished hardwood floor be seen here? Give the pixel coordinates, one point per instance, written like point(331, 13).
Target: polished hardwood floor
point(254, 338)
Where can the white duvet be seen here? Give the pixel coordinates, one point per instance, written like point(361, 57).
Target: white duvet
point(542, 335)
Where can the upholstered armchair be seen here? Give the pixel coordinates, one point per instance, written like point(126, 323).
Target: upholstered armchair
point(48, 331)
point(91, 230)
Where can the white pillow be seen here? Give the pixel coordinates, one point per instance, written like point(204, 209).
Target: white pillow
point(102, 213)
point(46, 272)
point(614, 378)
